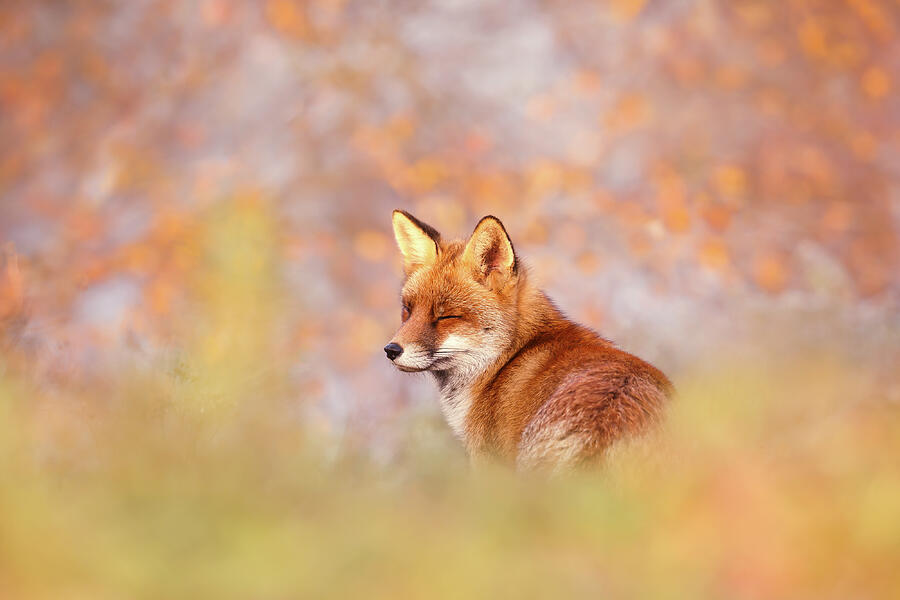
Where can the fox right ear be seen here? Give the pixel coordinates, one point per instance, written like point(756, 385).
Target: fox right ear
point(418, 242)
point(491, 253)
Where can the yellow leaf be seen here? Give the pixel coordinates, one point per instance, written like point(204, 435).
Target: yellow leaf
point(731, 180)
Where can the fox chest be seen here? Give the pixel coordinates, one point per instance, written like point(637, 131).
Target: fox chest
point(455, 405)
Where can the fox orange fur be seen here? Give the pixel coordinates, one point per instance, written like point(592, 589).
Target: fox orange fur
point(518, 380)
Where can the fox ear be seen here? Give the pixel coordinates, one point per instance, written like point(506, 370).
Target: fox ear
point(491, 252)
point(418, 242)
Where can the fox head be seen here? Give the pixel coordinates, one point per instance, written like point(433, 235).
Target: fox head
point(459, 300)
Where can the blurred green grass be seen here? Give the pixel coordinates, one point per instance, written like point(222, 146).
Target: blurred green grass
point(197, 479)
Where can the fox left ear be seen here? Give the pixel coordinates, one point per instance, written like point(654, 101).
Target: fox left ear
point(418, 242)
point(491, 252)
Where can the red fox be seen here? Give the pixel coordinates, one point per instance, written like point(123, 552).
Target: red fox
point(518, 381)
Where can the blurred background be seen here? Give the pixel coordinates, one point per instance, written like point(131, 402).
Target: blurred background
point(195, 205)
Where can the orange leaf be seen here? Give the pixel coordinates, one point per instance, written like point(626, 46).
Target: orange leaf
point(161, 294)
point(717, 217)
point(868, 267)
point(754, 15)
point(864, 146)
point(671, 200)
point(770, 272)
point(587, 81)
point(875, 83)
point(287, 17)
point(731, 180)
point(631, 111)
point(12, 286)
point(714, 255)
point(837, 219)
point(731, 78)
point(676, 218)
point(812, 39)
point(626, 10)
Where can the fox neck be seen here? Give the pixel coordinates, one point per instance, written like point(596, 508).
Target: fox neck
point(535, 315)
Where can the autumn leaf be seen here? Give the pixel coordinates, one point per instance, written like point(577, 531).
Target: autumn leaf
point(875, 83)
point(756, 15)
point(731, 180)
point(626, 10)
point(672, 201)
point(714, 255)
point(287, 17)
point(864, 146)
point(676, 217)
point(731, 78)
point(837, 219)
point(587, 81)
point(716, 216)
point(632, 111)
point(12, 284)
point(161, 295)
point(770, 272)
point(812, 38)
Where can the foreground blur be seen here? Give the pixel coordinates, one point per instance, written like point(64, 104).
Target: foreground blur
point(769, 483)
point(196, 475)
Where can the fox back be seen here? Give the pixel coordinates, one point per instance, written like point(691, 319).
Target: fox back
point(518, 381)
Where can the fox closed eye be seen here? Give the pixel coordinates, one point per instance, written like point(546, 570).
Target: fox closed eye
point(445, 317)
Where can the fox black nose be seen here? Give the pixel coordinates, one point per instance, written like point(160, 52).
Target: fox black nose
point(393, 350)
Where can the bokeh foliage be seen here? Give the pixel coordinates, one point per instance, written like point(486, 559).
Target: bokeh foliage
point(197, 276)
